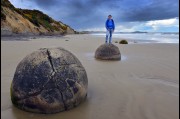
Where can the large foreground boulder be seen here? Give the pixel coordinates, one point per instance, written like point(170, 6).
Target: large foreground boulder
point(108, 51)
point(49, 81)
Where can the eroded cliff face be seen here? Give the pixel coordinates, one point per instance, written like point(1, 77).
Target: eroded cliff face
point(29, 22)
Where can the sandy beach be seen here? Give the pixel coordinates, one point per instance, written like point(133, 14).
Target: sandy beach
point(143, 85)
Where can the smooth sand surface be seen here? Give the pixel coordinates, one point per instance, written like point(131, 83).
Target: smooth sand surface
point(143, 85)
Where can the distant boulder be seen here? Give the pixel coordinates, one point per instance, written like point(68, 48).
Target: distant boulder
point(108, 51)
point(123, 42)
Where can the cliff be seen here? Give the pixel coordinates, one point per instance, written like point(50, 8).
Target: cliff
point(29, 22)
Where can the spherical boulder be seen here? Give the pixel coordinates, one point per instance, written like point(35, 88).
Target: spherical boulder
point(123, 42)
point(108, 51)
point(49, 80)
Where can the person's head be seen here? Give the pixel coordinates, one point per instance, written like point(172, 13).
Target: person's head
point(109, 16)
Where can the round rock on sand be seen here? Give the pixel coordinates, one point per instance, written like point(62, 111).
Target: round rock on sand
point(108, 51)
point(49, 81)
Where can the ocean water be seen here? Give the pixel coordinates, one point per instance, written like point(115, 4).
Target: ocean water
point(145, 37)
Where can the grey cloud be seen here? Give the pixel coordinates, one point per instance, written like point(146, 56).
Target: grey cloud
point(93, 13)
point(156, 11)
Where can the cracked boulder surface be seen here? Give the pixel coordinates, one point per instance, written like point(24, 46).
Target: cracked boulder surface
point(108, 51)
point(49, 80)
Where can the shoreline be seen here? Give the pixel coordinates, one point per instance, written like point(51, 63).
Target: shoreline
point(115, 39)
point(20, 37)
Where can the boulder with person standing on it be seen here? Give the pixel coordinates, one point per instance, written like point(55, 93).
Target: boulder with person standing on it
point(108, 51)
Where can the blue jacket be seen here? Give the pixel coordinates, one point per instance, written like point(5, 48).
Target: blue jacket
point(110, 24)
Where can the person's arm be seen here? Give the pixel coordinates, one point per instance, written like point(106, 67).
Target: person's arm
point(113, 25)
point(106, 24)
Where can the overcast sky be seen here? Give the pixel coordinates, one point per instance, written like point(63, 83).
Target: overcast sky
point(128, 15)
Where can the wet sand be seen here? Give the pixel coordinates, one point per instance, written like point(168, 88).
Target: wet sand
point(143, 85)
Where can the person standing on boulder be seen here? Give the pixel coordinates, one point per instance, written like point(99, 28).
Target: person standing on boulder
point(110, 26)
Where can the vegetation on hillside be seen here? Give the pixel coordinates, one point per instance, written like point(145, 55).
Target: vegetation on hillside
point(36, 17)
point(6, 3)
